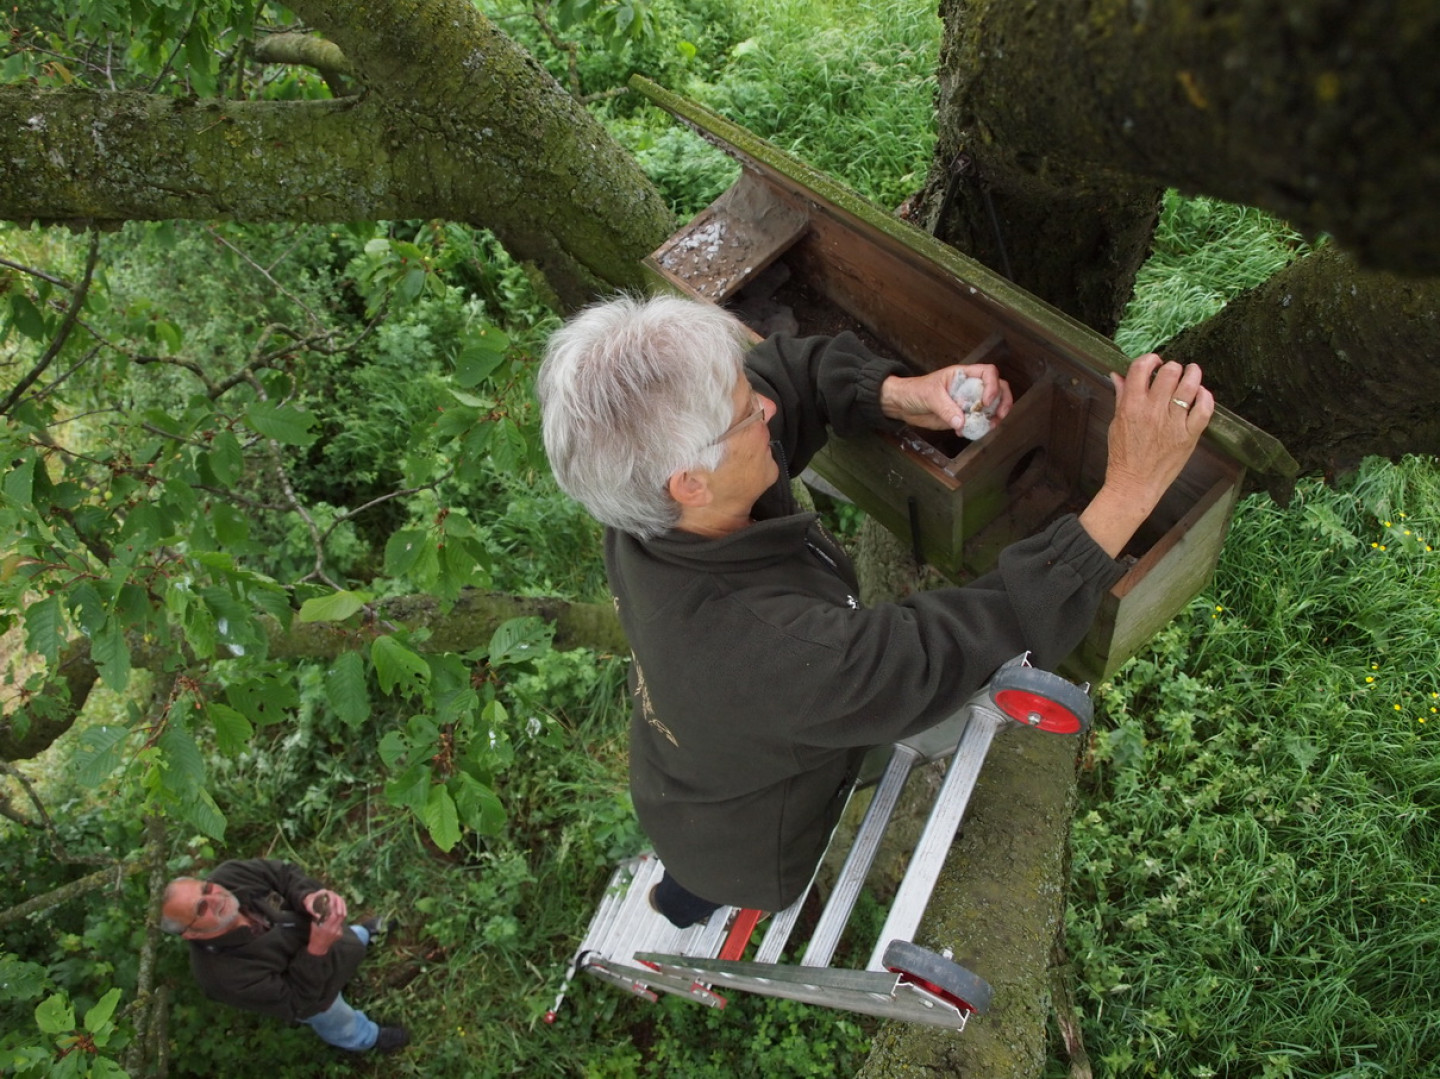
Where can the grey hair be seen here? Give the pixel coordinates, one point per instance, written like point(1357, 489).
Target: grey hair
point(631, 391)
point(167, 923)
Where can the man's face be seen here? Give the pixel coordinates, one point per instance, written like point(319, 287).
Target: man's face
point(205, 909)
point(748, 468)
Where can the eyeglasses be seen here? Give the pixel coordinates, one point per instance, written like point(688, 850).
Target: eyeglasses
point(745, 421)
point(203, 907)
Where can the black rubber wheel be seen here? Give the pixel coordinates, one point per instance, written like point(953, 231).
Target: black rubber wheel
point(1040, 699)
point(935, 974)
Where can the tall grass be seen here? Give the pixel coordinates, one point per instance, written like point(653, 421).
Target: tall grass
point(848, 86)
point(1204, 252)
point(1255, 859)
point(1255, 854)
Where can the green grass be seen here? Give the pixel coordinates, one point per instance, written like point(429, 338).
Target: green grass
point(847, 86)
point(1204, 253)
point(1254, 876)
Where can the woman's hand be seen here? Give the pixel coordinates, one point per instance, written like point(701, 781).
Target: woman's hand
point(924, 400)
point(1161, 409)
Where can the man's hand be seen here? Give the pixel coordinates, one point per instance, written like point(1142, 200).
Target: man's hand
point(924, 400)
point(327, 910)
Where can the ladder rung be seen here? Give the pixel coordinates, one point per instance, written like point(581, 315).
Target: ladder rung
point(739, 936)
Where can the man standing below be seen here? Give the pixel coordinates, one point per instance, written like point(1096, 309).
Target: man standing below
point(267, 938)
point(759, 680)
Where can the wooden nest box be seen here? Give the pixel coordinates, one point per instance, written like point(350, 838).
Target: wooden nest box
point(786, 247)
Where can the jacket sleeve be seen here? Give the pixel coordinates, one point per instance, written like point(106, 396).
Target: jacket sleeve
point(820, 382)
point(897, 669)
point(282, 878)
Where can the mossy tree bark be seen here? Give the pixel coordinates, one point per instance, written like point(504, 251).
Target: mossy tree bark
point(453, 121)
point(999, 902)
point(1067, 119)
point(1334, 361)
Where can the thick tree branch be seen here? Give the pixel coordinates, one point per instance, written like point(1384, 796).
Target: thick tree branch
point(1320, 112)
point(109, 876)
point(457, 122)
point(1335, 361)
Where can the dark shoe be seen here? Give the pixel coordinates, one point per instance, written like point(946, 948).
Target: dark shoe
point(377, 926)
point(390, 1039)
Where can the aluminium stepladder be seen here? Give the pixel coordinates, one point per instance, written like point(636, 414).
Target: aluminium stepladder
point(636, 949)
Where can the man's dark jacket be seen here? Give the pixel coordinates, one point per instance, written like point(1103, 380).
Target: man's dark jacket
point(271, 971)
point(759, 681)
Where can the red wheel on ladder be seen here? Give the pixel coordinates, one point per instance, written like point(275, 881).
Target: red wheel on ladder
point(1040, 699)
point(938, 976)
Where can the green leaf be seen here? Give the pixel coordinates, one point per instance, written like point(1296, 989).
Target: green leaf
point(104, 1008)
point(393, 748)
point(410, 788)
point(55, 1015)
point(397, 667)
point(232, 528)
point(43, 628)
point(477, 805)
point(283, 423)
point(185, 767)
point(226, 458)
point(20, 980)
point(105, 1068)
point(476, 361)
point(441, 818)
point(346, 689)
point(111, 655)
point(411, 284)
point(262, 700)
point(28, 319)
point(519, 640)
point(200, 630)
point(98, 754)
point(19, 484)
point(232, 730)
point(200, 811)
point(333, 608)
point(403, 550)
point(507, 446)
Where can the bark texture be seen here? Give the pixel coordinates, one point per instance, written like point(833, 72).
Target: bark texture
point(1059, 123)
point(455, 121)
point(1319, 111)
point(1334, 361)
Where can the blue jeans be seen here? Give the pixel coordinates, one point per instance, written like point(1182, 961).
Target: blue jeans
point(341, 1025)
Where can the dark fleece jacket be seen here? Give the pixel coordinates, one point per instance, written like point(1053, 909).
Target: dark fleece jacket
point(271, 971)
point(759, 681)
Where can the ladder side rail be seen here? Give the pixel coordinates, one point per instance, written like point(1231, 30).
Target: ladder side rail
point(866, 992)
point(838, 908)
point(929, 857)
point(780, 928)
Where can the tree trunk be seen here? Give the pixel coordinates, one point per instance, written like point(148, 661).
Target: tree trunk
point(1319, 111)
point(1068, 119)
point(455, 121)
point(1335, 362)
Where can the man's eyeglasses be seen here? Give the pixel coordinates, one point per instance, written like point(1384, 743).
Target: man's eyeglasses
point(758, 413)
point(202, 908)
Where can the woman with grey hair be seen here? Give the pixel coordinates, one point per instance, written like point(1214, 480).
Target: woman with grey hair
point(759, 681)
